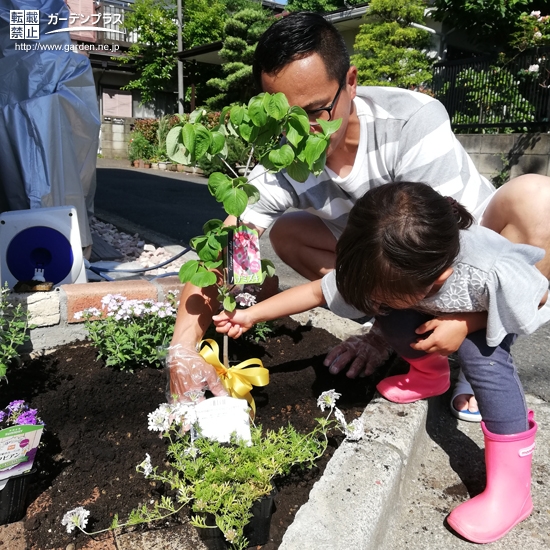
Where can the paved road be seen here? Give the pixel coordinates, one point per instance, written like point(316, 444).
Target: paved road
point(177, 205)
point(169, 203)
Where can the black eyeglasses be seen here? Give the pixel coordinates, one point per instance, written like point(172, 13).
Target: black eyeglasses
point(324, 113)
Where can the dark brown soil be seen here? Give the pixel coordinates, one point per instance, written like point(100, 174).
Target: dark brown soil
point(96, 428)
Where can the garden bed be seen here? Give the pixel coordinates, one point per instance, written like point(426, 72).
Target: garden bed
point(96, 428)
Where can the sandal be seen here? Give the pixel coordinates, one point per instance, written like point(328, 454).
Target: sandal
point(463, 387)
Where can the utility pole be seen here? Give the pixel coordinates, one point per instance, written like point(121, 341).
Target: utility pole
point(180, 63)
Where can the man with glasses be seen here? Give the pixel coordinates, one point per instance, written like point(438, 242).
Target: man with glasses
point(387, 134)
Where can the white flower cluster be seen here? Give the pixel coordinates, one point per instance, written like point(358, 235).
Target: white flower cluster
point(146, 465)
point(328, 399)
point(75, 518)
point(161, 419)
point(245, 299)
point(540, 18)
point(121, 308)
point(354, 430)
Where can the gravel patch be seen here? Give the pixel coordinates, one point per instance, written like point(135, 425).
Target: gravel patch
point(133, 248)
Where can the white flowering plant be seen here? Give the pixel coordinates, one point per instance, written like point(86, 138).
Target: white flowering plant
point(129, 333)
point(222, 481)
point(533, 30)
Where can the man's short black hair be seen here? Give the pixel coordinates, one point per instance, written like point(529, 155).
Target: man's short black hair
point(296, 36)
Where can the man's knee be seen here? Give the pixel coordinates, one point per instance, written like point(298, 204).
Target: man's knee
point(523, 202)
point(279, 231)
point(519, 211)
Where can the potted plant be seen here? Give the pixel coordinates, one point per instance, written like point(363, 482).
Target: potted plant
point(20, 433)
point(139, 149)
point(222, 483)
point(129, 332)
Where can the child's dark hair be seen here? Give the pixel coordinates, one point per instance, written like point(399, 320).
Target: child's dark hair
point(400, 237)
point(296, 36)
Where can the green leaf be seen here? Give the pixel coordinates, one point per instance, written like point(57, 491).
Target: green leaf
point(188, 136)
point(277, 106)
point(203, 140)
point(267, 164)
point(270, 132)
point(235, 201)
point(257, 112)
point(196, 115)
point(239, 181)
point(203, 279)
point(282, 157)
point(213, 265)
point(212, 225)
point(217, 144)
point(298, 170)
point(251, 192)
point(268, 268)
point(319, 164)
point(299, 115)
point(248, 131)
point(236, 114)
point(295, 132)
point(197, 241)
point(174, 147)
point(330, 126)
point(187, 270)
point(229, 303)
point(209, 249)
point(315, 147)
point(216, 182)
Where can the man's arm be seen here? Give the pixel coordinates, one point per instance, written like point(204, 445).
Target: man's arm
point(188, 371)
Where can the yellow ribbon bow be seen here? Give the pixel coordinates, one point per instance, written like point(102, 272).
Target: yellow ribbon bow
point(238, 379)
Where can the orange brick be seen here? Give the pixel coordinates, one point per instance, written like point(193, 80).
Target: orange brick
point(79, 297)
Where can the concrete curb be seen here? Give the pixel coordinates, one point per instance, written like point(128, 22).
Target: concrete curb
point(354, 501)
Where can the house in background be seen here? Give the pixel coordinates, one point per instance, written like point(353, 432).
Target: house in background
point(118, 108)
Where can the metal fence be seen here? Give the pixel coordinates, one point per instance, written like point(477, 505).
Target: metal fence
point(112, 15)
point(488, 92)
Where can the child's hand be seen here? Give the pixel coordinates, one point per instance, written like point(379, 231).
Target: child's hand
point(233, 324)
point(447, 335)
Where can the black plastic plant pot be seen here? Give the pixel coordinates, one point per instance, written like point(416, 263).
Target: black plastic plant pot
point(13, 497)
point(256, 531)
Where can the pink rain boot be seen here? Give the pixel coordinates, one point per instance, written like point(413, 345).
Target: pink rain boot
point(507, 497)
point(429, 375)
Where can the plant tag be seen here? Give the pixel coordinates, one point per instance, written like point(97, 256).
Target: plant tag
point(18, 445)
point(244, 265)
point(219, 417)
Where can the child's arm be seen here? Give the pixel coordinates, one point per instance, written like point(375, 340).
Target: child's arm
point(294, 300)
point(448, 332)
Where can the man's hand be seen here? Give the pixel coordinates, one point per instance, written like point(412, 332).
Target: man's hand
point(447, 334)
point(233, 324)
point(365, 353)
point(190, 375)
